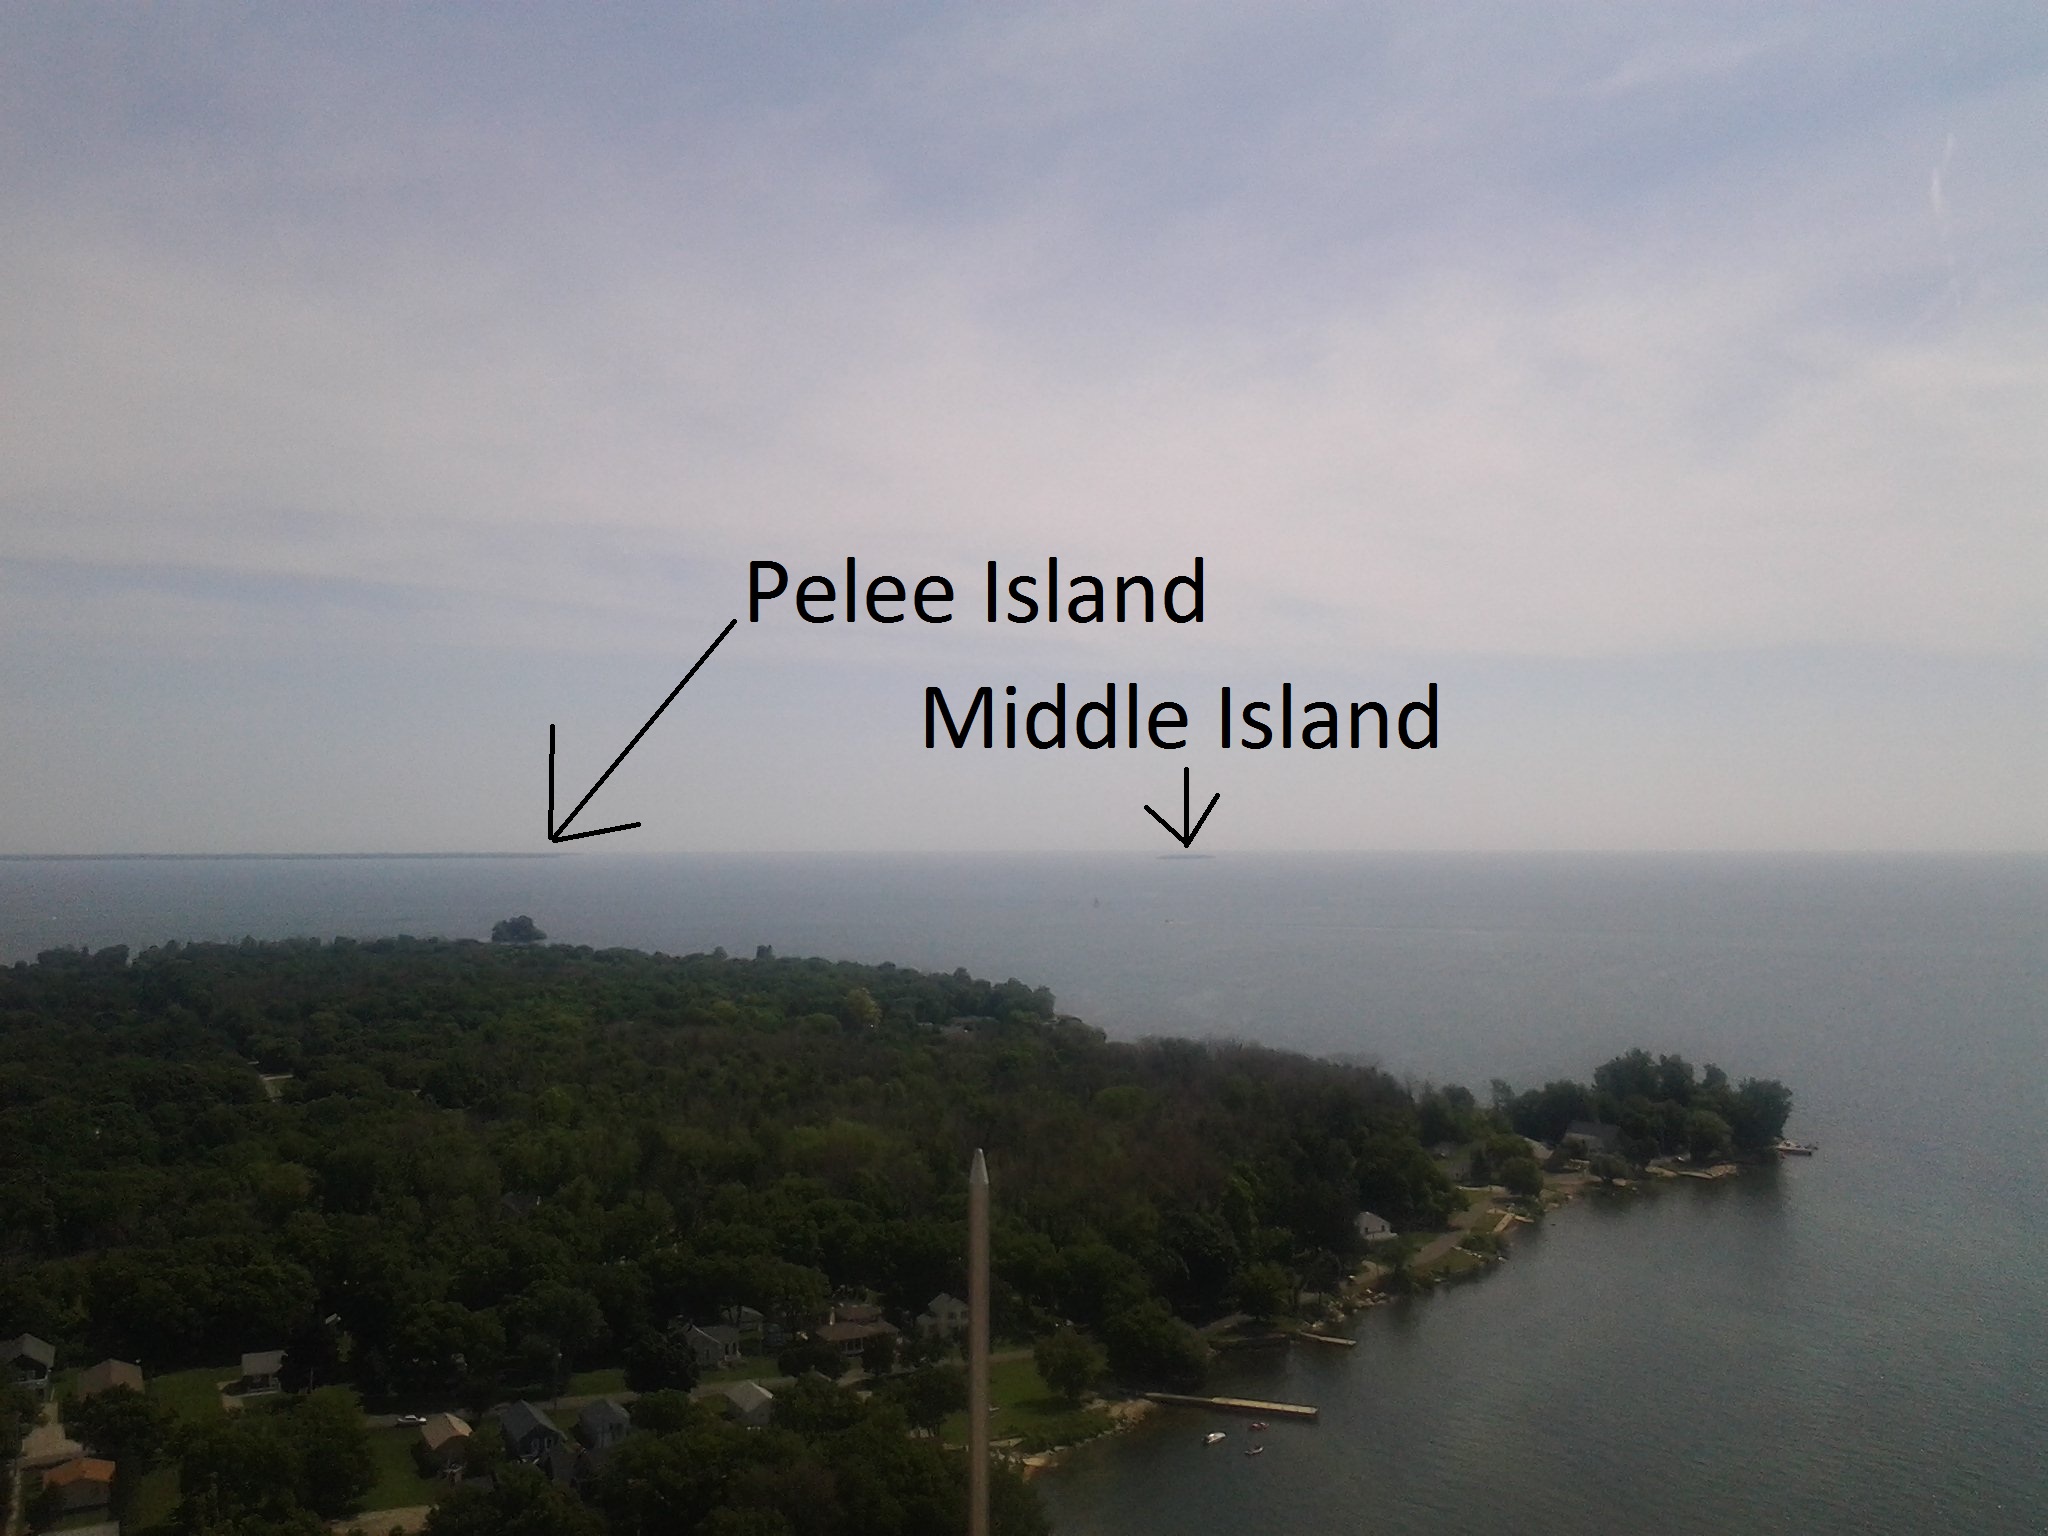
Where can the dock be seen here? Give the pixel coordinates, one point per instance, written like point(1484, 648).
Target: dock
point(1237, 1405)
point(1327, 1338)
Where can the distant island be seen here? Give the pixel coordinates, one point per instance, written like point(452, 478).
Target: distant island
point(474, 1237)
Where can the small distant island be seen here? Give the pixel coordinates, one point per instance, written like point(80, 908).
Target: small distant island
point(472, 1237)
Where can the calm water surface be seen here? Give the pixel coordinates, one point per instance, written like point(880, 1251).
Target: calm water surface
point(1856, 1344)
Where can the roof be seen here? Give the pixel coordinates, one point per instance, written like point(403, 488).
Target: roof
point(1368, 1222)
point(440, 1428)
point(602, 1415)
point(748, 1395)
point(109, 1373)
point(521, 1420)
point(856, 1312)
point(720, 1332)
point(264, 1362)
point(1592, 1130)
point(86, 1469)
point(26, 1346)
point(942, 1301)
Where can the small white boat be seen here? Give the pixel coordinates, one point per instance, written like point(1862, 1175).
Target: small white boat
point(1257, 1450)
point(1212, 1437)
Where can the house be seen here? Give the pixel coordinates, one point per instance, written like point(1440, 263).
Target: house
point(84, 1482)
point(746, 1319)
point(855, 1312)
point(751, 1404)
point(445, 1439)
point(715, 1347)
point(850, 1338)
point(1596, 1135)
point(260, 1371)
point(569, 1464)
point(946, 1316)
point(28, 1361)
point(603, 1424)
point(1372, 1229)
point(529, 1434)
point(95, 1379)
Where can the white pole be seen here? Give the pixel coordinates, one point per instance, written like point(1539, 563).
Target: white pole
point(977, 1347)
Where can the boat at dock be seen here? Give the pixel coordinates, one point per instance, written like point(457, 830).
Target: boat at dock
point(1798, 1148)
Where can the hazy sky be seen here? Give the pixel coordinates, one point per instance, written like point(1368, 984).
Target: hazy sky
point(380, 384)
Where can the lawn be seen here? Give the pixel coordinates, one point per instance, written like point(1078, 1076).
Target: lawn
point(1026, 1409)
point(192, 1395)
point(154, 1501)
point(399, 1483)
point(746, 1368)
point(605, 1383)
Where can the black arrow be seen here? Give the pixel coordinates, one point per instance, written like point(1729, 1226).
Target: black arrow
point(1184, 834)
point(560, 834)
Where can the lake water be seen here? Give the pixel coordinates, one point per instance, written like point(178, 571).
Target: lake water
point(1855, 1344)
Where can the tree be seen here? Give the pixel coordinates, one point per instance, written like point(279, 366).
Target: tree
point(878, 1354)
point(1069, 1362)
point(810, 1355)
point(660, 1360)
point(1147, 1343)
point(663, 1413)
point(128, 1429)
point(516, 930)
point(1607, 1168)
point(926, 1396)
point(335, 1465)
point(521, 1503)
point(1522, 1177)
point(1264, 1289)
point(1758, 1113)
point(1706, 1136)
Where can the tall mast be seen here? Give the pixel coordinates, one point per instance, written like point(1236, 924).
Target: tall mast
point(977, 1347)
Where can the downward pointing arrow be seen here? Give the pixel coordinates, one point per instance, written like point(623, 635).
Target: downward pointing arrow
point(1184, 834)
point(561, 833)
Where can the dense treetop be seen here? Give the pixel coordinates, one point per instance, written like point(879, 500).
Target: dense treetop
point(488, 1151)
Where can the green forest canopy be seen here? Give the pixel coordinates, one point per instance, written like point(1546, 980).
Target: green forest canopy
point(493, 1163)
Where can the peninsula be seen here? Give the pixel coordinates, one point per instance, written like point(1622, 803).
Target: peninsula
point(472, 1236)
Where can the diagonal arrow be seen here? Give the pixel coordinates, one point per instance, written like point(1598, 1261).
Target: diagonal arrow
point(561, 834)
point(1184, 834)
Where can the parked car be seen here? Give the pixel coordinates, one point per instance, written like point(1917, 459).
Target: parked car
point(412, 1418)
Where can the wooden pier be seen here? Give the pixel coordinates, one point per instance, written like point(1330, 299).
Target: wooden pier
point(1327, 1338)
point(1246, 1405)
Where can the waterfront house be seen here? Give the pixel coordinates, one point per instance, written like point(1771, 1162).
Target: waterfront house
point(1372, 1228)
point(261, 1371)
point(1594, 1135)
point(444, 1440)
point(95, 1379)
point(850, 1338)
point(715, 1347)
point(28, 1361)
point(945, 1317)
point(751, 1403)
point(528, 1433)
point(603, 1424)
point(82, 1483)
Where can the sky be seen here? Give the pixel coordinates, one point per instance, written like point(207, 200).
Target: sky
point(382, 385)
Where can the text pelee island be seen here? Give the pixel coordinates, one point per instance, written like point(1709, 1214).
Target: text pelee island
point(490, 1237)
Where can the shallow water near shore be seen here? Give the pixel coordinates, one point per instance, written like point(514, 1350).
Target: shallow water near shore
point(1855, 1343)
